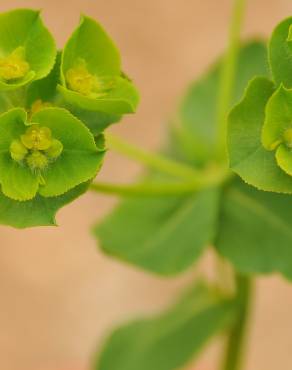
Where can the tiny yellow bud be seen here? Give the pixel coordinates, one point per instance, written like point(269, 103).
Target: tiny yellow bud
point(17, 150)
point(37, 160)
point(80, 80)
point(288, 137)
point(39, 105)
point(14, 65)
point(55, 149)
point(38, 138)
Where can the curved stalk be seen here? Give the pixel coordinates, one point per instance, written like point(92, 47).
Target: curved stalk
point(153, 160)
point(155, 189)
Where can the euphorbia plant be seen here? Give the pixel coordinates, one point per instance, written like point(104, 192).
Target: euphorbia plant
point(55, 107)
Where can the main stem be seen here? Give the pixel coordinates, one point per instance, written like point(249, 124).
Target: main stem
point(233, 359)
point(228, 74)
point(236, 340)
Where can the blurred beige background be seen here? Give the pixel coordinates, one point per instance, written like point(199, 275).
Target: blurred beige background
point(59, 294)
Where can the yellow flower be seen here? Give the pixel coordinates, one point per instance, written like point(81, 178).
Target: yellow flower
point(14, 65)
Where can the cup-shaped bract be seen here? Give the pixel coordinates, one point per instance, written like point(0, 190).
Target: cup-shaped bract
point(49, 155)
point(27, 49)
point(91, 75)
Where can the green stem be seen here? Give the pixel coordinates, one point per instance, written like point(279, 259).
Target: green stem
point(153, 160)
point(158, 189)
point(228, 73)
point(236, 340)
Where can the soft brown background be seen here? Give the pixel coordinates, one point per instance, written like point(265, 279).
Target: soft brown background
point(59, 294)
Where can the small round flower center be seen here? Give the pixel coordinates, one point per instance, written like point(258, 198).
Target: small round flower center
point(36, 148)
point(14, 65)
point(288, 137)
point(80, 80)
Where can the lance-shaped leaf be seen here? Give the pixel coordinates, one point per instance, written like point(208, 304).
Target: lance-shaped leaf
point(248, 158)
point(91, 73)
point(39, 211)
point(163, 235)
point(195, 138)
point(255, 230)
point(170, 340)
point(280, 53)
point(27, 49)
point(51, 154)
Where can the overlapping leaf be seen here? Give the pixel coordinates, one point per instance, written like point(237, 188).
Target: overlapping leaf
point(91, 54)
point(171, 339)
point(166, 235)
point(255, 230)
point(195, 138)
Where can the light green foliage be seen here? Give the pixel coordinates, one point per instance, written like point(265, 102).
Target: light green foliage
point(256, 165)
point(260, 128)
point(169, 340)
point(280, 53)
point(46, 150)
point(91, 73)
point(27, 48)
point(78, 159)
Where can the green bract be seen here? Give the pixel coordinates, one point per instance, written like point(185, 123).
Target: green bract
point(49, 155)
point(91, 76)
point(260, 126)
point(50, 136)
point(27, 49)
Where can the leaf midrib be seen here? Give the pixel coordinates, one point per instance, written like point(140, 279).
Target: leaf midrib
point(256, 207)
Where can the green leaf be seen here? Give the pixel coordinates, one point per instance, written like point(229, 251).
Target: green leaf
point(80, 159)
point(91, 43)
point(248, 158)
point(23, 28)
point(284, 158)
point(280, 54)
point(46, 88)
point(77, 162)
point(39, 211)
point(96, 121)
point(94, 64)
point(168, 341)
point(163, 235)
point(255, 230)
point(278, 118)
point(123, 98)
point(45, 91)
point(195, 139)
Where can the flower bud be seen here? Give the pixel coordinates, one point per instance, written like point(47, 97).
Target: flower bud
point(37, 138)
point(37, 160)
point(288, 137)
point(17, 150)
point(55, 149)
point(14, 65)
